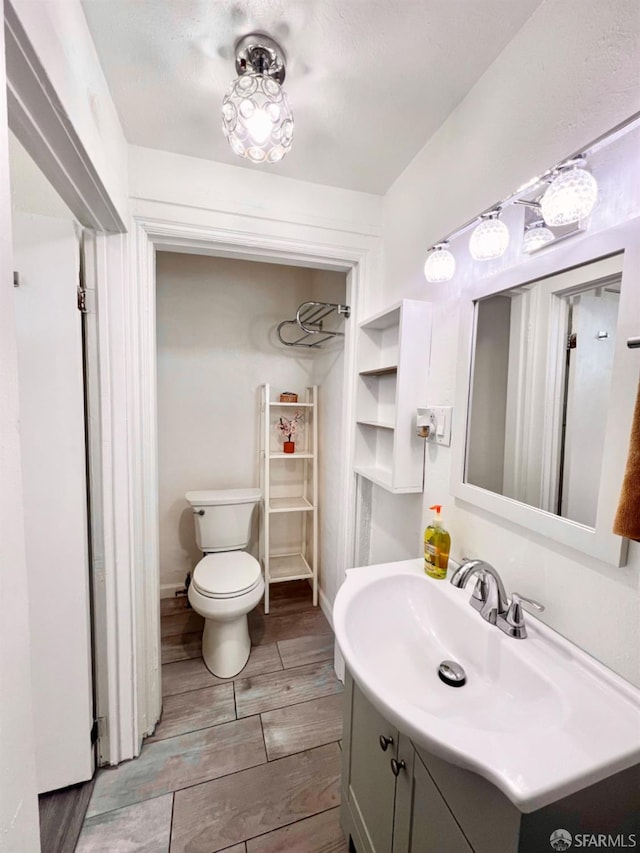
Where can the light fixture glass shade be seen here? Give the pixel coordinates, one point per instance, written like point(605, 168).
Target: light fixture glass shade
point(257, 119)
point(536, 236)
point(570, 197)
point(440, 265)
point(489, 240)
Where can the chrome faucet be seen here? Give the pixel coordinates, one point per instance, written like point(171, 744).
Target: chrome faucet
point(490, 598)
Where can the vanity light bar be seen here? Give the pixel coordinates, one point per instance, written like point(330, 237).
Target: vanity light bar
point(545, 178)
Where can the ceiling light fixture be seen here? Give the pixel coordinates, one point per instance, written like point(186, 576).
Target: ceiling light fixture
point(440, 264)
point(256, 117)
point(536, 236)
point(490, 238)
point(571, 196)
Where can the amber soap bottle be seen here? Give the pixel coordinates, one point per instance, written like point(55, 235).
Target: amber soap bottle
point(437, 543)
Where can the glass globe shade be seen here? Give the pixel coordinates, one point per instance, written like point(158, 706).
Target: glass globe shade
point(536, 237)
point(440, 265)
point(570, 197)
point(257, 119)
point(489, 240)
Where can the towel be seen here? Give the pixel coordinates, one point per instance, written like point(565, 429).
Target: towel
point(627, 520)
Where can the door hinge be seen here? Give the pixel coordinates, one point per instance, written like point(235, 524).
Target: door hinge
point(96, 729)
point(572, 341)
point(86, 301)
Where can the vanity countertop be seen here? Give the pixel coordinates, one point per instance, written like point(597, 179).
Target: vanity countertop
point(538, 717)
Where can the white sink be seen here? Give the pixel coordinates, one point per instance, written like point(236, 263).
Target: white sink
point(538, 717)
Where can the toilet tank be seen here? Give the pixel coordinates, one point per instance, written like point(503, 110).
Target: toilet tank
point(223, 518)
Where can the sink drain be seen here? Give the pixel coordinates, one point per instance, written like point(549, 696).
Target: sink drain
point(452, 673)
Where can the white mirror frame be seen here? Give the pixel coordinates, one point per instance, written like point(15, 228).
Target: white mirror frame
point(598, 542)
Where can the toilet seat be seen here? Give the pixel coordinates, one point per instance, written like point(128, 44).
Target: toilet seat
point(226, 574)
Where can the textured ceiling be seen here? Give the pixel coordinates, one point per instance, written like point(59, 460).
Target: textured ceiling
point(369, 81)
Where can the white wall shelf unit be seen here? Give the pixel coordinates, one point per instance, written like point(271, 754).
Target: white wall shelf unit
point(289, 534)
point(394, 349)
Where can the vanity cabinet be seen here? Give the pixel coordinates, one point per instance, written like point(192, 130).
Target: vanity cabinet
point(431, 806)
point(373, 744)
point(383, 776)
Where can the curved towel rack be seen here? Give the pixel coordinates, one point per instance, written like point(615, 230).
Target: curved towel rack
point(309, 320)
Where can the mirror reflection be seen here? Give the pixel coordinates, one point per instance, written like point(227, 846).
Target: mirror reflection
point(541, 374)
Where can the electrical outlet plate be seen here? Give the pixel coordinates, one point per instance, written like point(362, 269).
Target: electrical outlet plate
point(441, 415)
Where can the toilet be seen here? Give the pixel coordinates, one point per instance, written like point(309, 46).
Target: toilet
point(227, 583)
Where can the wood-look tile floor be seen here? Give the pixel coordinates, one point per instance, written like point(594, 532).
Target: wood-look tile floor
point(243, 765)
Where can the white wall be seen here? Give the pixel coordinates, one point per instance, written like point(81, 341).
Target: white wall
point(31, 192)
point(216, 321)
point(569, 75)
point(206, 191)
point(59, 34)
point(328, 374)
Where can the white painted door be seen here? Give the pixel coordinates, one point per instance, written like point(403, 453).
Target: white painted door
point(46, 256)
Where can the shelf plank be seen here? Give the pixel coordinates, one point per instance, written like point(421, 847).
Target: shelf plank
point(292, 405)
point(384, 319)
point(288, 567)
point(380, 371)
point(295, 455)
point(289, 504)
point(375, 424)
point(382, 477)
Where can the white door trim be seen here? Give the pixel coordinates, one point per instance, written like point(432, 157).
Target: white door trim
point(355, 255)
point(37, 118)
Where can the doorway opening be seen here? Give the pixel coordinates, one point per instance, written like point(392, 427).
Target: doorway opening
point(151, 239)
point(217, 344)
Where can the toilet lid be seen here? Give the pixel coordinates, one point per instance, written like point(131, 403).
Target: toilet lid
point(226, 574)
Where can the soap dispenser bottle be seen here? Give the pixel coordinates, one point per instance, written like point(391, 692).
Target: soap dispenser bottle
point(436, 547)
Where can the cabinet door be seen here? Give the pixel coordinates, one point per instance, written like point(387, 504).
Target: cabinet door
point(371, 788)
point(423, 822)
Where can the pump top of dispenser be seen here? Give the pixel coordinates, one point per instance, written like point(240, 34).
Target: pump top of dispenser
point(437, 518)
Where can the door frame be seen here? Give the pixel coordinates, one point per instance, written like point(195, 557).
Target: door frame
point(39, 121)
point(356, 256)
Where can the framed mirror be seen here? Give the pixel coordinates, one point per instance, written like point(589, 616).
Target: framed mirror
point(546, 387)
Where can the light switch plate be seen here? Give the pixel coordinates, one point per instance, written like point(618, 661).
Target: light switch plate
point(442, 417)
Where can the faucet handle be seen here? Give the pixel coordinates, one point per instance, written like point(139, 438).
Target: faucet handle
point(515, 615)
point(480, 593)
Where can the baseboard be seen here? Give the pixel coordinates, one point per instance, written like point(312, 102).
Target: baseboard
point(326, 607)
point(168, 590)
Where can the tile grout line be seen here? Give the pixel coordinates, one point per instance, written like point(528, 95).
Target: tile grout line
point(268, 761)
point(279, 653)
point(243, 770)
point(188, 787)
point(198, 689)
point(173, 808)
point(285, 826)
point(264, 740)
point(154, 739)
point(293, 704)
point(134, 803)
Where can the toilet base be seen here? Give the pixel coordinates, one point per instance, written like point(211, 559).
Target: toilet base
point(226, 646)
